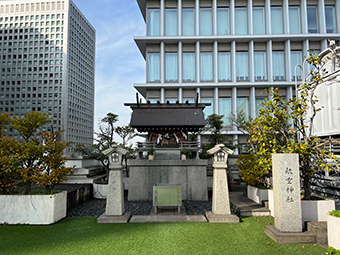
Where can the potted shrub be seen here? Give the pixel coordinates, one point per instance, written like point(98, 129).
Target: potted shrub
point(254, 175)
point(151, 153)
point(38, 163)
point(333, 229)
point(184, 153)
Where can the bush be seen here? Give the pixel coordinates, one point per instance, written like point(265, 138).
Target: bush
point(184, 151)
point(151, 151)
point(335, 213)
point(251, 172)
point(332, 251)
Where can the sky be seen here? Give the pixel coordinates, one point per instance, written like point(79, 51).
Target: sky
point(119, 63)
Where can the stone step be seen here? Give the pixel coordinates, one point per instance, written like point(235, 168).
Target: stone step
point(84, 179)
point(88, 171)
point(319, 229)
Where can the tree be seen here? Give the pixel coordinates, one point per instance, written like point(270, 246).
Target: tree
point(214, 124)
point(104, 139)
point(127, 133)
point(52, 170)
point(9, 158)
point(31, 149)
point(106, 127)
point(285, 127)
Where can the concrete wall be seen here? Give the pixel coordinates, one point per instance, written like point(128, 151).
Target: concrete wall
point(190, 174)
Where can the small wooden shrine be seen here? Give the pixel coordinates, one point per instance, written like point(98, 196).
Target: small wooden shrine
point(167, 124)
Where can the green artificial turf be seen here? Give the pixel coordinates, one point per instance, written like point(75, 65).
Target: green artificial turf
point(85, 236)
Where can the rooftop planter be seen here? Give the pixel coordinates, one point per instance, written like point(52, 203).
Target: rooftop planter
point(33, 209)
point(316, 210)
point(333, 229)
point(256, 194)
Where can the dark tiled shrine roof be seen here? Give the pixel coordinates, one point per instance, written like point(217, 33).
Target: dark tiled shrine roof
point(146, 117)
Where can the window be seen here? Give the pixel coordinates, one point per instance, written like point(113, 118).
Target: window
point(222, 21)
point(241, 21)
point(153, 100)
point(278, 65)
point(276, 17)
point(260, 65)
point(206, 66)
point(190, 100)
point(224, 66)
point(171, 100)
point(243, 105)
point(224, 108)
point(242, 66)
point(153, 22)
point(170, 22)
point(296, 59)
point(153, 67)
point(188, 66)
point(205, 22)
point(188, 22)
point(312, 16)
point(171, 66)
point(258, 102)
point(258, 21)
point(208, 110)
point(294, 20)
point(330, 19)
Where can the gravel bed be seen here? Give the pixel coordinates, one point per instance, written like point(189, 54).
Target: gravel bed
point(96, 207)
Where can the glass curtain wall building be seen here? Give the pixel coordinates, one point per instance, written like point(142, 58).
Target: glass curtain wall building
point(47, 64)
point(229, 51)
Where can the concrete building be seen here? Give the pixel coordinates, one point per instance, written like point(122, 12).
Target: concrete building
point(47, 64)
point(230, 51)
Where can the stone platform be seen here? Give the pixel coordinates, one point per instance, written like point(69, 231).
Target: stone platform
point(106, 219)
point(222, 218)
point(289, 237)
point(167, 214)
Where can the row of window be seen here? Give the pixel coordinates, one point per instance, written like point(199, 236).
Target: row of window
point(32, 7)
point(32, 24)
point(31, 17)
point(31, 30)
point(241, 21)
point(224, 66)
point(30, 43)
point(35, 56)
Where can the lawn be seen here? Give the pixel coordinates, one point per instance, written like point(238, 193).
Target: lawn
point(85, 236)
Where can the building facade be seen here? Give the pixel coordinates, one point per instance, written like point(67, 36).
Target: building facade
point(229, 51)
point(47, 64)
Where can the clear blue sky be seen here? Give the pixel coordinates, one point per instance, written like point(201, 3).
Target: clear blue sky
point(119, 62)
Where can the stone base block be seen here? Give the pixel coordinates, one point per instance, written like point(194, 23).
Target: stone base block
point(289, 237)
point(319, 229)
point(106, 219)
point(221, 218)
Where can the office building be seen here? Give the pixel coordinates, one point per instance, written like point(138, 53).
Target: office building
point(229, 51)
point(47, 64)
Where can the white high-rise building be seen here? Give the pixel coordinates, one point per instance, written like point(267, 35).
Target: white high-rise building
point(229, 51)
point(47, 64)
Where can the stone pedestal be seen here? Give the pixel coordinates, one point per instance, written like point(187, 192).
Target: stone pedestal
point(286, 188)
point(115, 194)
point(220, 201)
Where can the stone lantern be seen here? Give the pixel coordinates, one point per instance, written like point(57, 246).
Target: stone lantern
point(115, 155)
point(114, 212)
point(220, 203)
